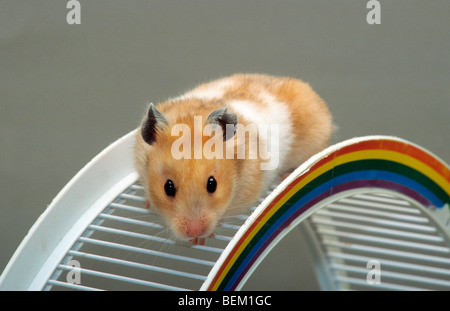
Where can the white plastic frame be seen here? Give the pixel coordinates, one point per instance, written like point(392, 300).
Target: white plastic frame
point(94, 187)
point(72, 210)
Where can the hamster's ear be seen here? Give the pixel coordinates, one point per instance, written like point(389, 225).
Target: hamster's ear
point(222, 117)
point(155, 120)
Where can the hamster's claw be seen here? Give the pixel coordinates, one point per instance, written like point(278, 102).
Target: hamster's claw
point(201, 241)
point(285, 176)
point(198, 241)
point(147, 204)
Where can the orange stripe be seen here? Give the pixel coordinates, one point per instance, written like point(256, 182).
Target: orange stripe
point(396, 146)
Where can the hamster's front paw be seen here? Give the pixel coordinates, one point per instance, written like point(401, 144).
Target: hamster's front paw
point(147, 204)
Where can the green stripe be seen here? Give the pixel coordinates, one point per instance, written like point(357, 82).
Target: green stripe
point(354, 166)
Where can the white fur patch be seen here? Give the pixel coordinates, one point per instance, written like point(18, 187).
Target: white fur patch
point(214, 90)
point(272, 112)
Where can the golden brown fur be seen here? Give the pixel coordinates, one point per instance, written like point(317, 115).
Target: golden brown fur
point(240, 181)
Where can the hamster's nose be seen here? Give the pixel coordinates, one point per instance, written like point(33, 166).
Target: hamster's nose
point(195, 228)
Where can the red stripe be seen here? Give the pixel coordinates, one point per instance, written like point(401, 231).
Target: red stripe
point(400, 147)
point(278, 198)
point(242, 239)
point(391, 145)
point(265, 211)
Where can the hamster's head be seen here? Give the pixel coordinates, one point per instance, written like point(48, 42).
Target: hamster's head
point(191, 193)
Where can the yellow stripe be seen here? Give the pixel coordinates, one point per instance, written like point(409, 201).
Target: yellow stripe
point(402, 159)
point(269, 214)
point(345, 158)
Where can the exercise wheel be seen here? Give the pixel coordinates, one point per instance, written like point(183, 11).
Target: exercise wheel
point(369, 199)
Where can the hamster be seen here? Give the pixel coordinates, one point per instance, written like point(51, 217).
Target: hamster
point(213, 151)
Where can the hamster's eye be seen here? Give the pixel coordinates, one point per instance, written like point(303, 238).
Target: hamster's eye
point(169, 187)
point(211, 185)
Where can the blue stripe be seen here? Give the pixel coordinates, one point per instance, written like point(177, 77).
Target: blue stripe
point(327, 186)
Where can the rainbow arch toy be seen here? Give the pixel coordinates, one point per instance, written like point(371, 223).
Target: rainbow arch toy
point(373, 162)
point(373, 197)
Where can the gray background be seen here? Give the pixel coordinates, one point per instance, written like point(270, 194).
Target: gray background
point(67, 91)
